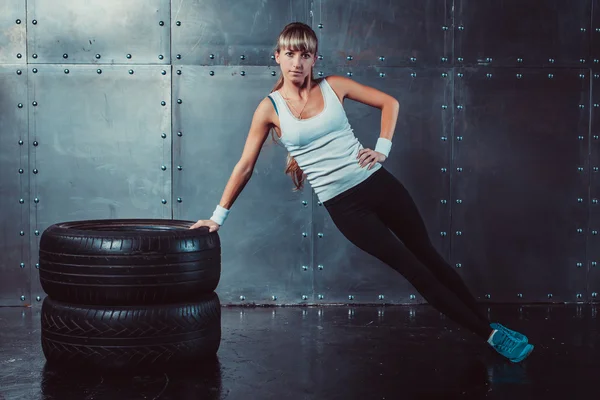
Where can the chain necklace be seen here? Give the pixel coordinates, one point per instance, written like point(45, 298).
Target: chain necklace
point(301, 111)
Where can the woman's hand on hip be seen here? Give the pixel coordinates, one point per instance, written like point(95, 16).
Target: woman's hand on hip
point(370, 157)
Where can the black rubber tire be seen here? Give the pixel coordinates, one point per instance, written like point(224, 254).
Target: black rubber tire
point(130, 337)
point(128, 261)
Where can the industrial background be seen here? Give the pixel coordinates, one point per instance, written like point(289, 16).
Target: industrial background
point(140, 109)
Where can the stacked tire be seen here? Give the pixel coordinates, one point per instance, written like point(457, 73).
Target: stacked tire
point(129, 294)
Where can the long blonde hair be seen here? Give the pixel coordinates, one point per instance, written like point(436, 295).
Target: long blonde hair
point(296, 36)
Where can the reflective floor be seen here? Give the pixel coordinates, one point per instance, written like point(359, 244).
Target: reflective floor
point(393, 352)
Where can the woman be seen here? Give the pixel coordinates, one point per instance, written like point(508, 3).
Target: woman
point(366, 202)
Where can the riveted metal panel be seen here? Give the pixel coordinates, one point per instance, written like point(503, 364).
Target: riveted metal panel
point(100, 145)
point(420, 151)
point(522, 32)
point(98, 31)
point(384, 33)
point(12, 32)
point(595, 34)
point(263, 246)
point(521, 173)
point(231, 32)
point(15, 268)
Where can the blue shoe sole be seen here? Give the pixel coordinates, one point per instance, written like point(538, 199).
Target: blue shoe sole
point(524, 354)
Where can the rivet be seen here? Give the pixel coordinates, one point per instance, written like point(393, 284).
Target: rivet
point(458, 233)
point(179, 101)
point(582, 60)
point(444, 138)
point(444, 59)
point(20, 105)
point(459, 138)
point(351, 297)
point(461, 28)
point(460, 59)
point(179, 167)
point(163, 167)
point(35, 103)
point(459, 169)
point(520, 295)
point(98, 71)
point(178, 72)
point(444, 201)
point(321, 266)
point(18, 21)
point(551, 60)
point(242, 57)
point(320, 204)
point(487, 296)
point(550, 76)
point(413, 59)
point(21, 201)
point(444, 28)
point(320, 235)
point(320, 57)
point(130, 72)
point(35, 70)
point(349, 58)
point(164, 201)
point(98, 56)
point(443, 233)
point(382, 74)
point(594, 294)
point(349, 73)
point(38, 298)
point(243, 73)
point(37, 232)
point(579, 295)
point(179, 200)
point(35, 170)
point(458, 265)
point(305, 267)
point(579, 230)
point(459, 201)
point(21, 170)
point(19, 55)
point(320, 26)
point(21, 233)
point(35, 143)
point(460, 74)
point(274, 298)
point(273, 73)
point(66, 71)
point(444, 75)
point(37, 265)
point(160, 56)
point(178, 23)
point(519, 60)
point(412, 297)
point(549, 295)
point(304, 234)
point(179, 134)
point(22, 265)
point(382, 58)
point(583, 29)
point(594, 263)
point(211, 73)
point(381, 297)
point(19, 72)
point(163, 72)
point(65, 56)
point(163, 103)
point(413, 74)
point(321, 297)
point(305, 203)
point(163, 135)
point(304, 297)
point(36, 200)
point(161, 23)
point(242, 298)
point(34, 55)
point(488, 75)
point(22, 298)
point(579, 265)
point(212, 56)
point(178, 56)
point(459, 107)
point(444, 107)
point(128, 56)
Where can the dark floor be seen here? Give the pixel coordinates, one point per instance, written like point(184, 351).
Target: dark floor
point(396, 352)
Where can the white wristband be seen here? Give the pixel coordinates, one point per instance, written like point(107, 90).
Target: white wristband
point(383, 146)
point(220, 215)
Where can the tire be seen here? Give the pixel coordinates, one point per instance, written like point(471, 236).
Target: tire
point(130, 337)
point(125, 262)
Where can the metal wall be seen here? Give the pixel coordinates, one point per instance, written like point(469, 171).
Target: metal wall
point(141, 109)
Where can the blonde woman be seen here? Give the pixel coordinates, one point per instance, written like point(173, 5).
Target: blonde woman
point(365, 201)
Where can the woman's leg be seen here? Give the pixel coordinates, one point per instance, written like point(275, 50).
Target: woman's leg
point(399, 212)
point(355, 218)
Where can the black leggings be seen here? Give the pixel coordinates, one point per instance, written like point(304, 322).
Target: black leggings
point(368, 213)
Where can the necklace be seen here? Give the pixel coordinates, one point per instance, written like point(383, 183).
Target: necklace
point(301, 111)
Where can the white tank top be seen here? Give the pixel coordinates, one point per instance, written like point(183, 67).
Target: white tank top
point(324, 146)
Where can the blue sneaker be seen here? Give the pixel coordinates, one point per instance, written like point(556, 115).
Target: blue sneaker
point(511, 348)
point(504, 329)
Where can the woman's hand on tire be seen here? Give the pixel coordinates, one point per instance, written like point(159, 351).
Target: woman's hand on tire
point(212, 225)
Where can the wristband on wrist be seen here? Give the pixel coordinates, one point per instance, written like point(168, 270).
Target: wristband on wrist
point(383, 146)
point(220, 215)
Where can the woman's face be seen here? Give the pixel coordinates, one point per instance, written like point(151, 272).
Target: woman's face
point(295, 65)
